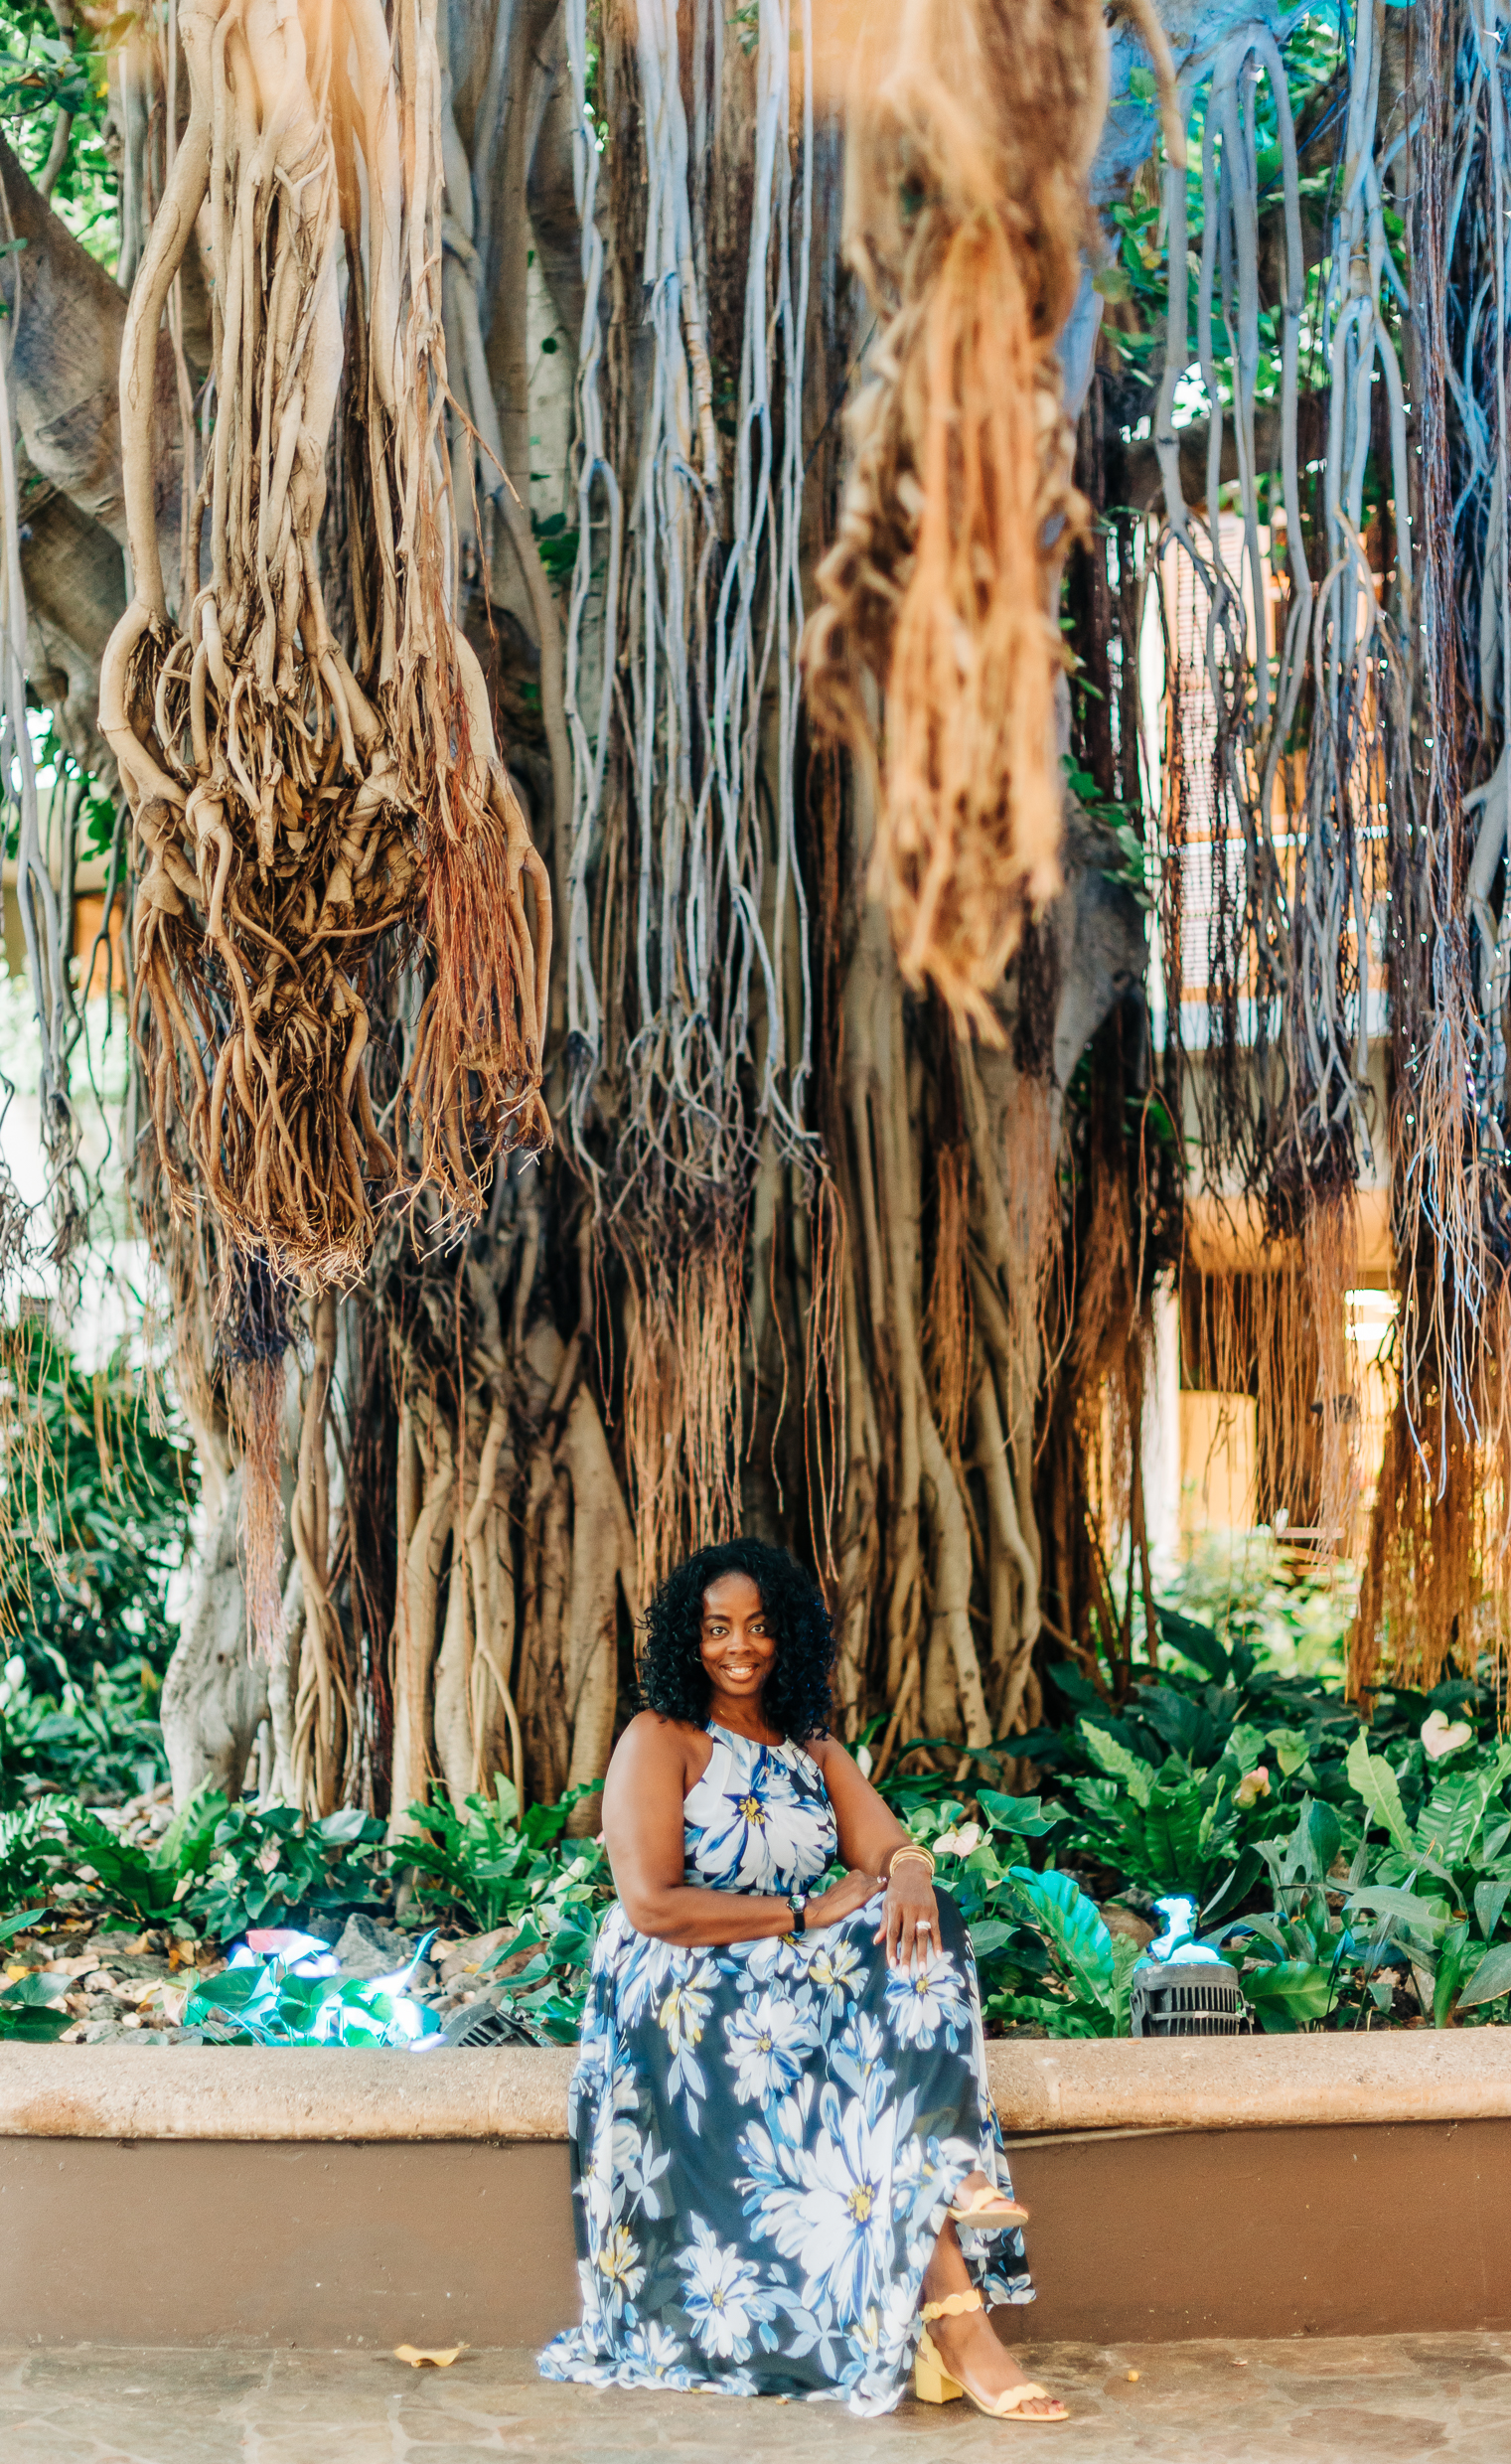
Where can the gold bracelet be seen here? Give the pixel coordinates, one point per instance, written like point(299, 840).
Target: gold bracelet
point(898, 1854)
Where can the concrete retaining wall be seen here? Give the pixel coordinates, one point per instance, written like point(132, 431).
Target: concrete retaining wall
point(1256, 2187)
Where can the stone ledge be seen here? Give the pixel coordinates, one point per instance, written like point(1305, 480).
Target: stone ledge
point(130, 2092)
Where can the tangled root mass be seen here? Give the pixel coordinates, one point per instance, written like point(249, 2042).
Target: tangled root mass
point(295, 808)
point(969, 137)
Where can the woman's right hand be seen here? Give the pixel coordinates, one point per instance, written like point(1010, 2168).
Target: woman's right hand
point(841, 1900)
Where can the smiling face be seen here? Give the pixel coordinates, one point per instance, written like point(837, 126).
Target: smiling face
point(738, 1646)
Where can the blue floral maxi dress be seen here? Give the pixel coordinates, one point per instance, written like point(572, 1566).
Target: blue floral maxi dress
point(765, 2138)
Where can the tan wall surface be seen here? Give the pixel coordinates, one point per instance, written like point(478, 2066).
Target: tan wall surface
point(191, 2091)
point(1323, 2231)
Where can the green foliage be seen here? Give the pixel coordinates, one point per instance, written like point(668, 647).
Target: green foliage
point(483, 1861)
point(1420, 1900)
point(104, 1731)
point(41, 73)
point(268, 2002)
point(122, 1878)
point(1043, 1952)
point(95, 1506)
point(26, 1856)
point(497, 1871)
point(1096, 1970)
point(558, 545)
point(28, 2013)
point(275, 1868)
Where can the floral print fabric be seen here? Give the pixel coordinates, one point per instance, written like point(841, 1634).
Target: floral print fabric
point(765, 2138)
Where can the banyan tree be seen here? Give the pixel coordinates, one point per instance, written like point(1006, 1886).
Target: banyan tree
point(703, 938)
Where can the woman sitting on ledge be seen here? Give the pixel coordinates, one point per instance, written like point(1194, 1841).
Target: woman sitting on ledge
point(781, 2115)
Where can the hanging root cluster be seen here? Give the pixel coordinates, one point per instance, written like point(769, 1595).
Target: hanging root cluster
point(295, 805)
point(969, 137)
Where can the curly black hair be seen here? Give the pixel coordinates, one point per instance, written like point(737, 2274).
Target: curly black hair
point(673, 1680)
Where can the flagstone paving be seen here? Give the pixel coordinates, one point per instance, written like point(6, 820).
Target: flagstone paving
point(1386, 2397)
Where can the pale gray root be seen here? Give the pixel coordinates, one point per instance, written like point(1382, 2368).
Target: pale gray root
point(603, 1564)
point(216, 1694)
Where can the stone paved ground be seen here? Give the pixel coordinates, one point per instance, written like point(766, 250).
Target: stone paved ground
point(1445, 2397)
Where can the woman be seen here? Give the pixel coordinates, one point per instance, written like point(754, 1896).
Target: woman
point(781, 2112)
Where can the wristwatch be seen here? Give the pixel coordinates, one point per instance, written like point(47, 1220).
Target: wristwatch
point(796, 1901)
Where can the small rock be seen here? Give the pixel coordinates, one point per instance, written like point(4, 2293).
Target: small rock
point(368, 1950)
point(465, 1958)
point(1120, 1919)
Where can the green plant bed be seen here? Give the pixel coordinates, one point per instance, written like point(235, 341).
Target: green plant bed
point(1353, 1877)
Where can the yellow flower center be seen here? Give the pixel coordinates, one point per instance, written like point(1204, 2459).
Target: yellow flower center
point(862, 2200)
point(752, 1809)
point(763, 2044)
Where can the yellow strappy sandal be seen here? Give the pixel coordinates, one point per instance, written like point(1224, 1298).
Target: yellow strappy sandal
point(933, 2385)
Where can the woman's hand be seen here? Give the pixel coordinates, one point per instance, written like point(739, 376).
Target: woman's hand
point(910, 1920)
point(841, 1900)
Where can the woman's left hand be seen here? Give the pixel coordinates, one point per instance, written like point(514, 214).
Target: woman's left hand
point(910, 1919)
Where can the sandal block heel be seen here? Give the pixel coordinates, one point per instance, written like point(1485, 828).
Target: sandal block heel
point(931, 2383)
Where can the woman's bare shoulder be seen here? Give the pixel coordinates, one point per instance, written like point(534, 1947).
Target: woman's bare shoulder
point(652, 1741)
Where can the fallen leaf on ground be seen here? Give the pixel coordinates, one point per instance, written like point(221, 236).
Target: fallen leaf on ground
point(412, 2354)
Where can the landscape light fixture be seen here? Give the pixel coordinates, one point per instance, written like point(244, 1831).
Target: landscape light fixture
point(1181, 1987)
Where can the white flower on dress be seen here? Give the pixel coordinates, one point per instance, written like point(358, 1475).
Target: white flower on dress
point(837, 2223)
point(923, 2000)
point(652, 2350)
point(769, 2041)
point(742, 1847)
point(723, 2299)
point(639, 1967)
point(859, 2058)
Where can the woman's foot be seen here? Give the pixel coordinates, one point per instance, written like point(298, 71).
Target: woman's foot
point(964, 2339)
point(977, 2190)
point(972, 2354)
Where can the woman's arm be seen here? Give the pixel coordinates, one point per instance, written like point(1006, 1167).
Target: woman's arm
point(870, 1833)
point(870, 1836)
point(643, 1835)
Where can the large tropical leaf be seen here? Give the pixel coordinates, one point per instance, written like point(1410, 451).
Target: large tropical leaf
point(28, 2010)
point(1075, 1930)
point(1138, 1777)
point(1324, 1834)
point(32, 2023)
point(1245, 1746)
point(1172, 1827)
point(1197, 1644)
point(1491, 1978)
point(1019, 1814)
point(1290, 1994)
point(1490, 1906)
point(1452, 1960)
point(1419, 1924)
point(1371, 1777)
point(1183, 1725)
point(1451, 1821)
